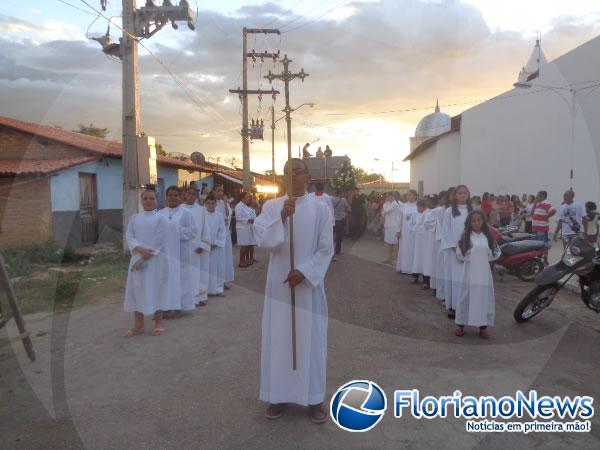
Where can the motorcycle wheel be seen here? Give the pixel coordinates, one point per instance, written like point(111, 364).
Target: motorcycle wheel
point(529, 270)
point(538, 299)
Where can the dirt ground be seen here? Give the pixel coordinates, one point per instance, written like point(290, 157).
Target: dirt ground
point(197, 385)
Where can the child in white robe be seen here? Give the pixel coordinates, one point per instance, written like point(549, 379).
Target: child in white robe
point(407, 242)
point(391, 219)
point(440, 276)
point(218, 240)
point(199, 248)
point(146, 288)
point(224, 207)
point(428, 240)
point(181, 230)
point(418, 234)
point(476, 301)
point(454, 225)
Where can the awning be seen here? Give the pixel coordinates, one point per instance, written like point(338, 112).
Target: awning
point(227, 177)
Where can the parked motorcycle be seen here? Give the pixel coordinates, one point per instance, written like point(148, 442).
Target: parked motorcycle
point(579, 258)
point(522, 255)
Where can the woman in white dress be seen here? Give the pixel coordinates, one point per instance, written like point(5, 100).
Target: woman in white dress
point(244, 220)
point(225, 209)
point(418, 232)
point(146, 288)
point(476, 301)
point(407, 243)
point(454, 225)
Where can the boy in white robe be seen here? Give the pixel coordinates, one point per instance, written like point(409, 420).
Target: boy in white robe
point(428, 240)
point(313, 239)
point(218, 240)
point(181, 230)
point(199, 248)
point(146, 288)
point(418, 234)
point(391, 220)
point(407, 242)
point(476, 301)
point(223, 206)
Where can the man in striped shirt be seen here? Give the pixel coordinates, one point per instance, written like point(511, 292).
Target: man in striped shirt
point(542, 211)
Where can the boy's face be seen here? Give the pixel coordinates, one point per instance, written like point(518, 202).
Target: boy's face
point(420, 208)
point(191, 196)
point(210, 205)
point(149, 201)
point(411, 197)
point(173, 199)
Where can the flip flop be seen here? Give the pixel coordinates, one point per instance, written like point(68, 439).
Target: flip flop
point(460, 331)
point(133, 332)
point(317, 414)
point(158, 331)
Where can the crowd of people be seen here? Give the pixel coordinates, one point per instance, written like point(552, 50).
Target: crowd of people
point(183, 253)
point(448, 241)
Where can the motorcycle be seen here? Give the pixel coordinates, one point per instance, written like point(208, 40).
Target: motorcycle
point(579, 258)
point(522, 255)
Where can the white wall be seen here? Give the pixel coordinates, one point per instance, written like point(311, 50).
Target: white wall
point(520, 142)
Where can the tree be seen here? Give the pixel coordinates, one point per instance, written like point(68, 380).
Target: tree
point(346, 178)
point(91, 130)
point(362, 176)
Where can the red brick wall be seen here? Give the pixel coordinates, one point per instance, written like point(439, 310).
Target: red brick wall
point(16, 144)
point(25, 211)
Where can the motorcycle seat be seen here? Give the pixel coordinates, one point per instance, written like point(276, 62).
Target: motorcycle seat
point(514, 248)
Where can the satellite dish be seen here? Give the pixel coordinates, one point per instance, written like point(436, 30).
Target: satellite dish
point(198, 158)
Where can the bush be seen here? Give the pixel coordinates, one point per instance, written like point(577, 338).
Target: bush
point(22, 260)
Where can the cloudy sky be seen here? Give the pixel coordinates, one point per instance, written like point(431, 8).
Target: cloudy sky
point(376, 68)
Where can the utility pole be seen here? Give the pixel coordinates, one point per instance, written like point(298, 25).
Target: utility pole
point(243, 93)
point(286, 77)
point(139, 161)
point(273, 142)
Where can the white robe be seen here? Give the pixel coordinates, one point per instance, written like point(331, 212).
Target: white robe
point(391, 220)
point(476, 301)
point(146, 288)
point(437, 282)
point(407, 240)
point(453, 228)
point(418, 232)
point(181, 229)
point(218, 239)
point(227, 253)
point(244, 229)
point(428, 242)
point(199, 263)
point(313, 240)
point(327, 200)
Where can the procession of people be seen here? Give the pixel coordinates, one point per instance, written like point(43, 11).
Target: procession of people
point(182, 255)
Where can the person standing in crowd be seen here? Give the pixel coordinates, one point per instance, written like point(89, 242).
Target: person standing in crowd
point(199, 248)
point(359, 215)
point(340, 211)
point(529, 205)
point(476, 304)
point(569, 211)
point(405, 235)
point(181, 230)
point(391, 221)
point(418, 235)
point(218, 240)
point(428, 245)
point(438, 279)
point(244, 218)
point(224, 207)
point(454, 225)
point(146, 289)
point(487, 206)
point(495, 214)
point(590, 223)
point(506, 210)
point(476, 203)
point(313, 239)
point(321, 195)
point(540, 219)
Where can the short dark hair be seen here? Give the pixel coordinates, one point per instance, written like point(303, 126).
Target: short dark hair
point(319, 186)
point(210, 197)
point(173, 188)
point(543, 194)
point(299, 160)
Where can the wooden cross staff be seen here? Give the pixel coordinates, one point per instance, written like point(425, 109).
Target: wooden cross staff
point(290, 191)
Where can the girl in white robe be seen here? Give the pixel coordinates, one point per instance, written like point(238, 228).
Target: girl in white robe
point(407, 242)
point(225, 209)
point(418, 234)
point(146, 288)
point(199, 249)
point(454, 225)
point(218, 240)
point(428, 241)
point(181, 229)
point(476, 301)
point(440, 276)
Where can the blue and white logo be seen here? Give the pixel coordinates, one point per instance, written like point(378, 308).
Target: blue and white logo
point(358, 406)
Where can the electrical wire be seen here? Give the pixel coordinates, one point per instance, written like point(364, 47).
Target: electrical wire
point(316, 19)
point(77, 8)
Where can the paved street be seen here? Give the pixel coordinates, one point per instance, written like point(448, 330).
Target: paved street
point(196, 386)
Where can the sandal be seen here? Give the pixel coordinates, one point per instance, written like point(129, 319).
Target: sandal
point(483, 334)
point(158, 331)
point(460, 331)
point(133, 332)
point(274, 411)
point(317, 414)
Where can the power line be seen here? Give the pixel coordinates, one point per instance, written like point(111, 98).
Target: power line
point(77, 8)
point(316, 18)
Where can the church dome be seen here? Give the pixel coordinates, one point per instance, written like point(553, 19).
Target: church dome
point(433, 124)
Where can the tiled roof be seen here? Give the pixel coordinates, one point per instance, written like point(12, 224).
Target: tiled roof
point(39, 166)
point(91, 144)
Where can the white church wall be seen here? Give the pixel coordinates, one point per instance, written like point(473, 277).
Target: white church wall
point(520, 142)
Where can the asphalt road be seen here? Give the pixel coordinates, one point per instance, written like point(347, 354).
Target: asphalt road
point(196, 386)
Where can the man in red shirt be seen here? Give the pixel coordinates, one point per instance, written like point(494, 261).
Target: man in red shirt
point(540, 219)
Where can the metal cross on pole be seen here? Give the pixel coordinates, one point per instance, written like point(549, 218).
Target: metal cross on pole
point(286, 76)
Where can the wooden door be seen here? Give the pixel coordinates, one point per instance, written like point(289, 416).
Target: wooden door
point(88, 208)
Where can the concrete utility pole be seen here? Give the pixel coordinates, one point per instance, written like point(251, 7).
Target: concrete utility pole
point(246, 135)
point(286, 77)
point(273, 143)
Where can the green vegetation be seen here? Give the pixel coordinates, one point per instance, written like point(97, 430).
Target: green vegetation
point(91, 130)
point(72, 280)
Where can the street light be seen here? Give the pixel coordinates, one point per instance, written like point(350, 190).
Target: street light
point(273, 122)
point(381, 160)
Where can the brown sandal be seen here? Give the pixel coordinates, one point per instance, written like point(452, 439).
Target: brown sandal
point(317, 414)
point(460, 331)
point(274, 411)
